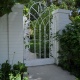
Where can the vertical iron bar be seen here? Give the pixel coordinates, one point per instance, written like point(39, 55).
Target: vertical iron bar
point(40, 41)
point(40, 31)
point(49, 36)
point(35, 39)
point(29, 32)
point(38, 9)
point(44, 41)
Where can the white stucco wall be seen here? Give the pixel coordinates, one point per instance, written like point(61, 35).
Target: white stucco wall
point(3, 39)
point(11, 36)
point(59, 21)
point(16, 34)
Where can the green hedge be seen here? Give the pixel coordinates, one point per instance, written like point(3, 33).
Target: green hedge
point(69, 52)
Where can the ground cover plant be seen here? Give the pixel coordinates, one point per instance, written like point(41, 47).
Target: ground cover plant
point(15, 72)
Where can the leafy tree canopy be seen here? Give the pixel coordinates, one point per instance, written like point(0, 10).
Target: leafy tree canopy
point(68, 4)
point(6, 5)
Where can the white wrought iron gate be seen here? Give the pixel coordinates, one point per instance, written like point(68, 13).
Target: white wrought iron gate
point(38, 41)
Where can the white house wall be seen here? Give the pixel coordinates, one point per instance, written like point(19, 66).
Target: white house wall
point(16, 34)
point(11, 36)
point(3, 39)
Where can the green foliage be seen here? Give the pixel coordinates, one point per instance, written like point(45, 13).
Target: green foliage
point(77, 3)
point(17, 77)
point(75, 19)
point(69, 51)
point(37, 48)
point(20, 67)
point(77, 79)
point(63, 5)
point(21, 1)
point(68, 4)
point(25, 78)
point(25, 10)
point(6, 5)
point(42, 20)
point(5, 70)
point(6, 73)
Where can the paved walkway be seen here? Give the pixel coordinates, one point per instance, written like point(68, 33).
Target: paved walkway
point(49, 72)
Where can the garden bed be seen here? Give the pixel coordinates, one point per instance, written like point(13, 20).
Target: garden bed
point(16, 72)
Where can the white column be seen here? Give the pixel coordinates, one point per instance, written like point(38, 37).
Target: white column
point(16, 34)
point(59, 21)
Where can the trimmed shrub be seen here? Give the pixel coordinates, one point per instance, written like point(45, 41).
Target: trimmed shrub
point(69, 43)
